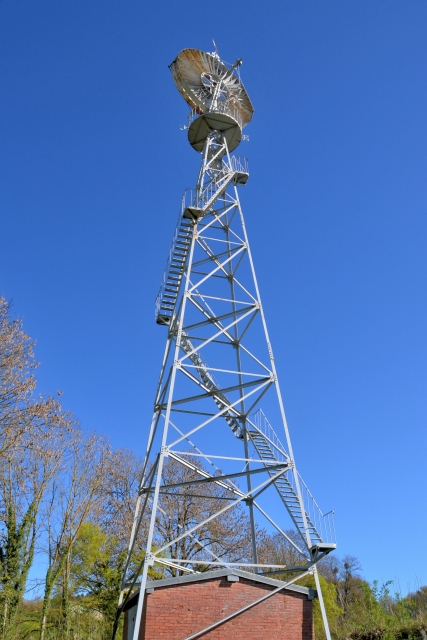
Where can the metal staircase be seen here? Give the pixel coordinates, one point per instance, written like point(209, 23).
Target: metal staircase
point(175, 266)
point(321, 527)
point(195, 204)
point(271, 451)
point(284, 488)
point(211, 384)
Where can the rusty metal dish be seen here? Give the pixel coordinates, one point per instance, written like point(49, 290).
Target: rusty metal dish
point(208, 85)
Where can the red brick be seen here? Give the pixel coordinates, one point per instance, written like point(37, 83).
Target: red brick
point(174, 612)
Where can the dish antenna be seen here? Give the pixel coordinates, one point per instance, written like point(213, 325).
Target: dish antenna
point(216, 96)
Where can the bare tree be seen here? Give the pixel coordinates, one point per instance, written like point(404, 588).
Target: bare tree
point(329, 568)
point(119, 494)
point(31, 430)
point(227, 536)
point(74, 499)
point(25, 472)
point(277, 549)
point(349, 581)
point(20, 412)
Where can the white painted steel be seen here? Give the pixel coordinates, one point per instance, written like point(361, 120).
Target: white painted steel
point(210, 303)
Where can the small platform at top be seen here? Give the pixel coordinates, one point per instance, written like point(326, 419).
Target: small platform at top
point(321, 549)
point(203, 125)
point(192, 213)
point(241, 177)
point(238, 176)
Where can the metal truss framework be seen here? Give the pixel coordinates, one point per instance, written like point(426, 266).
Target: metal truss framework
point(210, 302)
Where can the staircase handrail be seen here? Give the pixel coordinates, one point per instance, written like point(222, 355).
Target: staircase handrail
point(274, 441)
point(169, 258)
point(323, 522)
point(200, 199)
point(199, 363)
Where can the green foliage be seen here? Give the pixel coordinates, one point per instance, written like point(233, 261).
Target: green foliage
point(97, 563)
point(91, 568)
point(16, 557)
point(85, 624)
point(372, 612)
point(96, 569)
point(333, 611)
point(377, 613)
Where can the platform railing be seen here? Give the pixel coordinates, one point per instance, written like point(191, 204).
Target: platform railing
point(192, 198)
point(221, 107)
point(240, 164)
point(199, 198)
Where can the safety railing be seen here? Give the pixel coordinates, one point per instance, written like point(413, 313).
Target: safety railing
point(240, 164)
point(323, 522)
point(262, 425)
point(192, 198)
point(220, 107)
point(172, 249)
point(200, 198)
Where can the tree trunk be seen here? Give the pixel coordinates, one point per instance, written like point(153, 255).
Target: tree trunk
point(5, 613)
point(43, 622)
point(66, 598)
point(51, 576)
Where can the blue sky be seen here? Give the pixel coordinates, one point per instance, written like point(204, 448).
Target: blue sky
point(92, 168)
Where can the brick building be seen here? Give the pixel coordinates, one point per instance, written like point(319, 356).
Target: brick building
point(178, 608)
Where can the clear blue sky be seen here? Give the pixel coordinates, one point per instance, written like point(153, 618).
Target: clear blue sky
point(92, 168)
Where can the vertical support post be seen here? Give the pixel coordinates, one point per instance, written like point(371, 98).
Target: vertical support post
point(322, 604)
point(276, 381)
point(162, 452)
point(151, 436)
point(242, 404)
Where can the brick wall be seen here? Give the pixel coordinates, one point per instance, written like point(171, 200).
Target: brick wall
point(174, 612)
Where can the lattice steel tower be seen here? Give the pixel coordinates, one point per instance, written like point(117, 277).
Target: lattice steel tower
point(218, 366)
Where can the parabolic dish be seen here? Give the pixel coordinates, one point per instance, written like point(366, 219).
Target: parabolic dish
point(197, 73)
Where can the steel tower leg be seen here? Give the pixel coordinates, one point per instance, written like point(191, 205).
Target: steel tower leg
point(322, 604)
